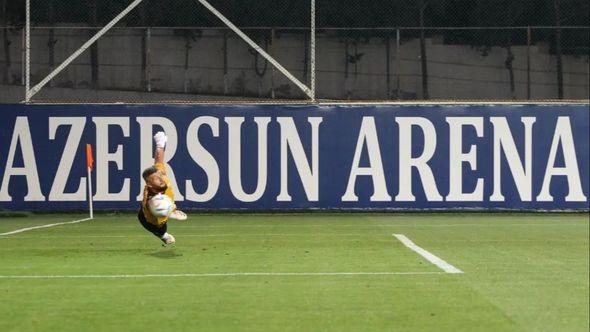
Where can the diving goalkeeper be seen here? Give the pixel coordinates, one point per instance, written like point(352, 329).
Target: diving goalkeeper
point(156, 182)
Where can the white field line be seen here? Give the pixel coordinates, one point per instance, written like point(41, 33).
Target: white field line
point(375, 226)
point(43, 226)
point(448, 268)
point(201, 275)
point(147, 235)
point(360, 225)
point(81, 236)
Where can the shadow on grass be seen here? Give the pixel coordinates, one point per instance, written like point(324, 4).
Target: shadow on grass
point(164, 254)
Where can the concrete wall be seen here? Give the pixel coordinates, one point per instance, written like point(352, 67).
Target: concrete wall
point(455, 71)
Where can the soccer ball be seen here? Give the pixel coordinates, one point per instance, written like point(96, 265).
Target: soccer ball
point(161, 205)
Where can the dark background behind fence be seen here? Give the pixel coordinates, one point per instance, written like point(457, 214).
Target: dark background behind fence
point(177, 50)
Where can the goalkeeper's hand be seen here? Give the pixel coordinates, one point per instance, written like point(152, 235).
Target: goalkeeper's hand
point(160, 138)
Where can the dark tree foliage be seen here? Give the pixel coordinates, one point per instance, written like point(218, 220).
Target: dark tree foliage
point(329, 13)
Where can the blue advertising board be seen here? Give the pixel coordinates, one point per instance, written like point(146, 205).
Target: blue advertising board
point(264, 157)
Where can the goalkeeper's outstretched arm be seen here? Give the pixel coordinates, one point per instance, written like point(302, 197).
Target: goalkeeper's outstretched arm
point(159, 156)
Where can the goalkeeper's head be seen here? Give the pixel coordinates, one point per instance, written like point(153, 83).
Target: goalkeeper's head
point(154, 180)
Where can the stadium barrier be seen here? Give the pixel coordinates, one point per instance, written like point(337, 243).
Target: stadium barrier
point(337, 156)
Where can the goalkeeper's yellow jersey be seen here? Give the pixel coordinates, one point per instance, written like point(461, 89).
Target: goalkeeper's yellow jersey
point(147, 195)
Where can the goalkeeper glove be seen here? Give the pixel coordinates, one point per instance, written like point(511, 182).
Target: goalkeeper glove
point(160, 138)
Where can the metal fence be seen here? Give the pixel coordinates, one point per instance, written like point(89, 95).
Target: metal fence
point(178, 51)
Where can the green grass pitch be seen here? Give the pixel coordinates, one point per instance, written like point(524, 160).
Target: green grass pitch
point(522, 272)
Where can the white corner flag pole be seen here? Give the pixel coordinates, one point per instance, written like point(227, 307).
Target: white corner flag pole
point(90, 192)
point(89, 164)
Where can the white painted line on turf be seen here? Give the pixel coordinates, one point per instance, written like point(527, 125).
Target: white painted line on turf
point(200, 275)
point(125, 225)
point(43, 226)
point(144, 236)
point(448, 268)
point(185, 235)
point(371, 226)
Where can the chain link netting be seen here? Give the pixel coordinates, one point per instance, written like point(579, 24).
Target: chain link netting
point(398, 50)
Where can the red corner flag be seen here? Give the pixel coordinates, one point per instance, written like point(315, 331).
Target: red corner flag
point(89, 159)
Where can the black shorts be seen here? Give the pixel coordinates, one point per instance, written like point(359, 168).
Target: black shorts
point(158, 231)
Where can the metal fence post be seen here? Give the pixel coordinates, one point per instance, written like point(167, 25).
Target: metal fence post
point(187, 50)
point(27, 38)
point(6, 43)
point(148, 59)
point(528, 63)
point(312, 47)
point(397, 64)
point(225, 64)
point(272, 69)
point(22, 57)
point(387, 67)
point(7, 58)
point(51, 39)
point(143, 69)
point(94, 60)
point(558, 49)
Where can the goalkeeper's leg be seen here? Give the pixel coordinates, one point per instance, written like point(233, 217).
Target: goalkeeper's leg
point(159, 231)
